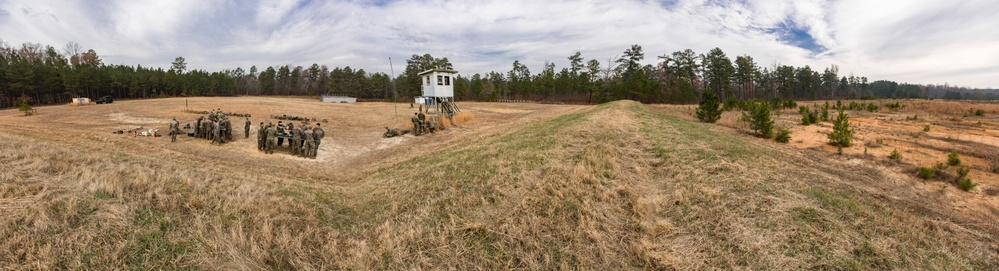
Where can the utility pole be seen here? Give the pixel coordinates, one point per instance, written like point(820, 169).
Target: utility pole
point(395, 92)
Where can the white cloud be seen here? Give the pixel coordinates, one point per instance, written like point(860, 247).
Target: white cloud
point(272, 12)
point(906, 41)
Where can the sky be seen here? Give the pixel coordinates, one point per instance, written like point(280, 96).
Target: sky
point(913, 41)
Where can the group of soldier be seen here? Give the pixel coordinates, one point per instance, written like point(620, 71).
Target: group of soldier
point(217, 128)
point(420, 124)
point(303, 140)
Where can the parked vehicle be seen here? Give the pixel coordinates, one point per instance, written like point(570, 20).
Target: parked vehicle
point(105, 100)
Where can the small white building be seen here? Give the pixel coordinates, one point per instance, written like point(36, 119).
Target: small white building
point(337, 99)
point(81, 101)
point(438, 83)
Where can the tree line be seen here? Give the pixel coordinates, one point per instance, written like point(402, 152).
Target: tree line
point(46, 75)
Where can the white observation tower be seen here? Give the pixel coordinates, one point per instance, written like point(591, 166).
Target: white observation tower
point(438, 93)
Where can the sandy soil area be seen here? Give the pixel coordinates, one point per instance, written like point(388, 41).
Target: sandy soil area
point(353, 131)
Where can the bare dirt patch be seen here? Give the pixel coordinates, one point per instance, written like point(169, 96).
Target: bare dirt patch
point(353, 131)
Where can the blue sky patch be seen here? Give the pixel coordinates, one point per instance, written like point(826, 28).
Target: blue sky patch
point(791, 34)
point(668, 4)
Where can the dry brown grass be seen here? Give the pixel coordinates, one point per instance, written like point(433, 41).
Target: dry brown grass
point(520, 186)
point(456, 120)
point(462, 117)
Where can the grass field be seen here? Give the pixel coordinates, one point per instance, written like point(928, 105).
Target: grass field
point(521, 186)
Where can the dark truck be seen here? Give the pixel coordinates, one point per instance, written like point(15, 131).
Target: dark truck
point(105, 100)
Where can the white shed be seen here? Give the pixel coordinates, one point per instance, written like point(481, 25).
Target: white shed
point(438, 83)
point(337, 99)
point(81, 101)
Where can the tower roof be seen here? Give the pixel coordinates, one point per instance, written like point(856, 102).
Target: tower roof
point(437, 70)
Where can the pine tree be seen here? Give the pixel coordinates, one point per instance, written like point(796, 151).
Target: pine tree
point(759, 119)
point(709, 110)
point(825, 112)
point(841, 134)
point(25, 108)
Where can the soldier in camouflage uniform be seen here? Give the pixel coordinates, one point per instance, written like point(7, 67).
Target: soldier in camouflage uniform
point(223, 130)
point(394, 132)
point(216, 132)
point(293, 141)
point(228, 129)
point(210, 130)
point(424, 124)
point(271, 138)
point(416, 124)
point(280, 130)
point(310, 142)
point(174, 130)
point(246, 130)
point(197, 126)
point(319, 134)
point(302, 148)
point(261, 136)
point(203, 129)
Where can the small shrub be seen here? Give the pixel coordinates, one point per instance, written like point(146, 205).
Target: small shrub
point(871, 107)
point(731, 103)
point(995, 167)
point(789, 104)
point(979, 123)
point(776, 103)
point(855, 106)
point(940, 166)
point(895, 155)
point(841, 135)
point(953, 159)
point(783, 135)
point(709, 108)
point(807, 116)
point(926, 128)
point(966, 184)
point(979, 112)
point(893, 106)
point(962, 172)
point(926, 173)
